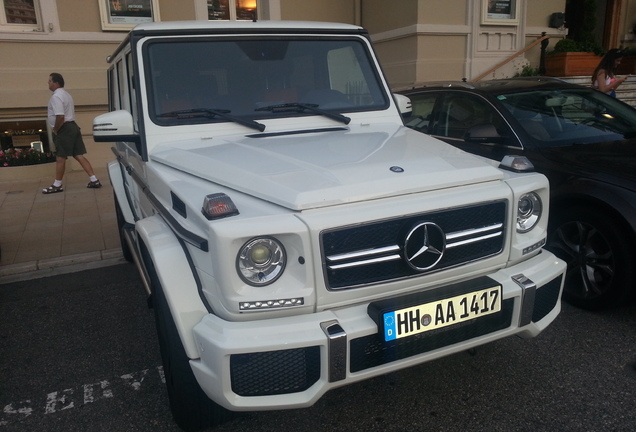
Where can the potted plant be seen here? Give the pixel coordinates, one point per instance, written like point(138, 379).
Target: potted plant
point(571, 58)
point(580, 56)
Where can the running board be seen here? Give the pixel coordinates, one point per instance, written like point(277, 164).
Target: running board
point(128, 231)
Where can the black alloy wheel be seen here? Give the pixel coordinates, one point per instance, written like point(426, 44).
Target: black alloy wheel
point(598, 257)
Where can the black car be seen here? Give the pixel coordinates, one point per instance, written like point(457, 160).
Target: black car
point(585, 143)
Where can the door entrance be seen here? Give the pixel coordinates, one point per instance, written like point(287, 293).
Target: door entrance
point(593, 21)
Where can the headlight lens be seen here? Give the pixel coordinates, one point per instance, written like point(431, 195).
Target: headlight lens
point(261, 261)
point(529, 209)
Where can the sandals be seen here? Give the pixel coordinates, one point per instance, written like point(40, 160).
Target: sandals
point(53, 189)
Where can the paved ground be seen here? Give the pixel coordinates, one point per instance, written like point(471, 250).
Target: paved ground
point(42, 235)
point(79, 352)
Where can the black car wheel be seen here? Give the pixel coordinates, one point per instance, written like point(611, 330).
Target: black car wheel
point(191, 408)
point(598, 257)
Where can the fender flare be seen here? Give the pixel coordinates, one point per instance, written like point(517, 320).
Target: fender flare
point(176, 276)
point(619, 199)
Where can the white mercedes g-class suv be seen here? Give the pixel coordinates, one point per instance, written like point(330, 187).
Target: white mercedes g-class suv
point(293, 234)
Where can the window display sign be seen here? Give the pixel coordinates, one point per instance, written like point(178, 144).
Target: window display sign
point(20, 12)
point(232, 10)
point(499, 12)
point(20, 15)
point(125, 14)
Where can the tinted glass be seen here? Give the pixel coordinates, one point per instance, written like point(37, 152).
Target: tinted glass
point(421, 118)
point(246, 78)
point(572, 116)
point(462, 111)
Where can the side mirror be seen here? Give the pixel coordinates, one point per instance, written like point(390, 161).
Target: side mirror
point(115, 126)
point(403, 104)
point(483, 133)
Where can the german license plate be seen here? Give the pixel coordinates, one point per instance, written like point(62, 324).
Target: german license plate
point(441, 313)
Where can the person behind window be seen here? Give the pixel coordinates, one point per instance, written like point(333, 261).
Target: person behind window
point(603, 78)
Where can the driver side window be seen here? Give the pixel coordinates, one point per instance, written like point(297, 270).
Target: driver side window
point(460, 112)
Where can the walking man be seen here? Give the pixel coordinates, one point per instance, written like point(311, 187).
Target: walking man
point(66, 135)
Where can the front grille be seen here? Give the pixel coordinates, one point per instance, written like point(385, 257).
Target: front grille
point(374, 252)
point(370, 351)
point(546, 299)
point(275, 372)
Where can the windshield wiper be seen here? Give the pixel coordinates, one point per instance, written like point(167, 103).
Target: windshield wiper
point(300, 107)
point(211, 113)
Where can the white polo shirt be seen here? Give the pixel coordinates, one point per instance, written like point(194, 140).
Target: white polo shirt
point(61, 103)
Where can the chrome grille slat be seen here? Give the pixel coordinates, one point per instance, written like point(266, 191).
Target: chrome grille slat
point(363, 253)
point(467, 233)
point(365, 262)
point(473, 240)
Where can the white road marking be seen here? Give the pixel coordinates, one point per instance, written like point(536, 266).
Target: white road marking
point(65, 399)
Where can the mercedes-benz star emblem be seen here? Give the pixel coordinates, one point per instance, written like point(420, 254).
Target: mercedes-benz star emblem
point(424, 246)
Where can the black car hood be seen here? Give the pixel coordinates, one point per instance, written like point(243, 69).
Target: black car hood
point(613, 162)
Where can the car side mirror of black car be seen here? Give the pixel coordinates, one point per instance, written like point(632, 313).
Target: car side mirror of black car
point(483, 133)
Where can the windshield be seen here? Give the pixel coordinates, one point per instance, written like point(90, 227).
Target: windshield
point(195, 80)
point(570, 116)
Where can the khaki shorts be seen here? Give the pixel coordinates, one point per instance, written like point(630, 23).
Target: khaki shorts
point(68, 140)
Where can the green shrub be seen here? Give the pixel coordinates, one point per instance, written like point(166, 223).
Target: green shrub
point(570, 45)
point(567, 45)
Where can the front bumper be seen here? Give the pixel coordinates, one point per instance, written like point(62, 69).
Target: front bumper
point(291, 362)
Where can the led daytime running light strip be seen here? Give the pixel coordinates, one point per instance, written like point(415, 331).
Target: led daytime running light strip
point(271, 304)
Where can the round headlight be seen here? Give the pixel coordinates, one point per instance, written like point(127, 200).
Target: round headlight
point(529, 209)
point(261, 261)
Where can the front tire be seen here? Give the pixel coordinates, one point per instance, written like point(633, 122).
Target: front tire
point(191, 408)
point(600, 263)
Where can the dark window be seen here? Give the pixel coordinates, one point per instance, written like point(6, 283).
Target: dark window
point(239, 77)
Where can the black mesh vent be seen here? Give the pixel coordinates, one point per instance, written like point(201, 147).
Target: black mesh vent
point(275, 372)
point(178, 205)
point(372, 350)
point(392, 233)
point(546, 299)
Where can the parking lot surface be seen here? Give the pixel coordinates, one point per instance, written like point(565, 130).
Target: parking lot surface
point(78, 352)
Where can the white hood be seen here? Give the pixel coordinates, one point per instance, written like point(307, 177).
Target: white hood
point(315, 169)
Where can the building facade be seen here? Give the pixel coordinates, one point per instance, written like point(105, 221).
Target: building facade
point(416, 40)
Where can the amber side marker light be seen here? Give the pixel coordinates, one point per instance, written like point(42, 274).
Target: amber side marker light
point(516, 164)
point(218, 205)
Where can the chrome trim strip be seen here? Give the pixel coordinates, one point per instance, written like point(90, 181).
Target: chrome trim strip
point(471, 232)
point(363, 253)
point(365, 262)
point(473, 240)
